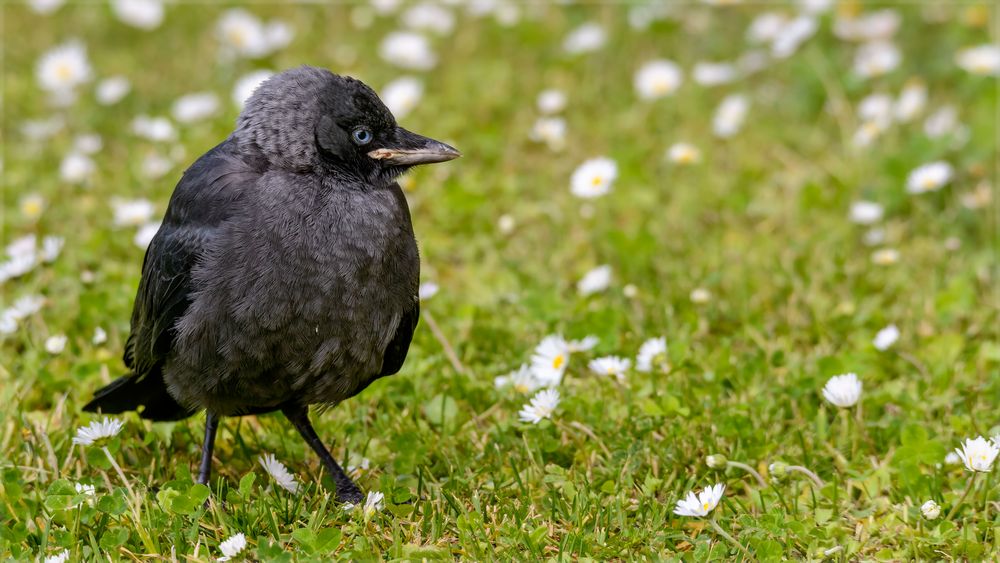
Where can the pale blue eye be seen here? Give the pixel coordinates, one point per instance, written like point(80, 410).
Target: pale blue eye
point(362, 136)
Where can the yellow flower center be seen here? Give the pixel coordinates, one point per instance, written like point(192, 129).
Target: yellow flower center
point(237, 37)
point(31, 208)
point(661, 85)
point(928, 182)
point(558, 361)
point(63, 71)
point(597, 181)
point(705, 506)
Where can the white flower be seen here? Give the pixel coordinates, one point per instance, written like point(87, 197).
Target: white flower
point(195, 107)
point(701, 504)
point(683, 153)
point(76, 167)
point(232, 547)
point(112, 89)
point(385, 7)
point(872, 26)
point(25, 307)
point(373, 503)
point(522, 380)
point(549, 130)
point(45, 7)
point(55, 344)
point(88, 144)
point(100, 337)
point(765, 27)
point(429, 17)
point(792, 35)
point(610, 365)
point(587, 38)
point(929, 177)
point(82, 489)
point(132, 212)
point(843, 390)
point(648, 352)
point(97, 431)
point(585, 344)
point(593, 178)
point(657, 79)
point(978, 454)
point(542, 405)
point(145, 234)
point(885, 256)
point(700, 296)
point(143, 14)
point(31, 206)
point(876, 58)
point(427, 290)
point(155, 166)
point(729, 116)
point(942, 122)
point(61, 557)
point(930, 510)
point(866, 212)
point(154, 128)
point(594, 281)
point(245, 35)
point(402, 95)
point(279, 473)
point(246, 85)
point(952, 459)
point(982, 59)
point(886, 338)
point(51, 247)
point(713, 74)
point(815, 6)
point(551, 101)
point(549, 360)
point(408, 50)
point(63, 68)
point(876, 108)
point(912, 101)
point(506, 223)
point(41, 129)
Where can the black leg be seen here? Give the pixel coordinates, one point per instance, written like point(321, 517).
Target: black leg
point(347, 491)
point(211, 426)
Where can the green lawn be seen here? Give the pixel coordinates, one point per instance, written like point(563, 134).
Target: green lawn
point(790, 293)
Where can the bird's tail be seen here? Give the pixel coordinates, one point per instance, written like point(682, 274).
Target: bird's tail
point(131, 392)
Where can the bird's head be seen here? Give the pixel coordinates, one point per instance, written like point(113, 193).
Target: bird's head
point(309, 119)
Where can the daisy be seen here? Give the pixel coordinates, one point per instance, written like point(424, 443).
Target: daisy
point(912, 101)
point(195, 107)
point(593, 178)
point(55, 344)
point(886, 338)
point(245, 35)
point(31, 206)
point(61, 557)
point(551, 101)
point(978, 454)
point(876, 58)
point(155, 166)
point(610, 365)
point(45, 7)
point(866, 212)
point(952, 459)
point(100, 337)
point(943, 121)
point(982, 59)
point(792, 35)
point(86, 490)
point(649, 352)
point(683, 153)
point(843, 390)
point(549, 360)
point(885, 256)
point(111, 90)
point(427, 290)
point(542, 405)
point(876, 108)
point(729, 116)
point(594, 281)
point(429, 17)
point(522, 380)
point(765, 27)
point(506, 223)
point(51, 247)
point(402, 95)
point(97, 431)
point(881, 24)
point(143, 14)
point(930, 510)
point(158, 129)
point(702, 503)
point(585, 344)
point(713, 74)
point(232, 546)
point(63, 68)
point(42, 129)
point(145, 234)
point(247, 84)
point(549, 130)
point(132, 212)
point(409, 50)
point(88, 144)
point(657, 79)
point(279, 473)
point(76, 167)
point(700, 296)
point(929, 177)
point(587, 38)
point(373, 503)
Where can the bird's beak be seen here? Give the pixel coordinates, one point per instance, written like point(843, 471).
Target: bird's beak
point(410, 149)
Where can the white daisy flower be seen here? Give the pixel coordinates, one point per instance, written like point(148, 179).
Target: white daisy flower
point(912, 101)
point(549, 130)
point(657, 79)
point(42, 129)
point(100, 337)
point(429, 17)
point(111, 90)
point(885, 256)
point(952, 459)
point(866, 212)
point(522, 380)
point(55, 344)
point(730, 115)
point(246, 84)
point(876, 58)
point(886, 338)
point(76, 167)
point(144, 235)
point(876, 108)
point(87, 490)
point(792, 35)
point(982, 59)
point(978, 454)
point(232, 546)
point(45, 7)
point(549, 360)
point(542, 405)
point(427, 290)
point(279, 473)
point(158, 129)
point(815, 6)
point(61, 557)
point(648, 353)
point(88, 144)
point(409, 50)
point(585, 344)
point(97, 431)
point(143, 14)
point(611, 366)
point(843, 390)
point(683, 153)
point(385, 7)
point(713, 73)
point(930, 510)
point(594, 281)
point(765, 27)
point(702, 503)
point(245, 35)
point(373, 503)
point(63, 68)
point(51, 247)
point(878, 25)
point(551, 101)
point(944, 121)
point(402, 95)
point(593, 178)
point(929, 177)
point(131, 212)
point(506, 223)
point(31, 206)
point(155, 166)
point(26, 306)
point(195, 107)
point(700, 296)
point(587, 38)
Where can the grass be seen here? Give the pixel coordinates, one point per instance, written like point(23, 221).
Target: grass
point(761, 223)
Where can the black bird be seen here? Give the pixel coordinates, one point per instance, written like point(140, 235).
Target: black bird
point(285, 272)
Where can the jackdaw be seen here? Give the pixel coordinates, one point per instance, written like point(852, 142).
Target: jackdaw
point(285, 272)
